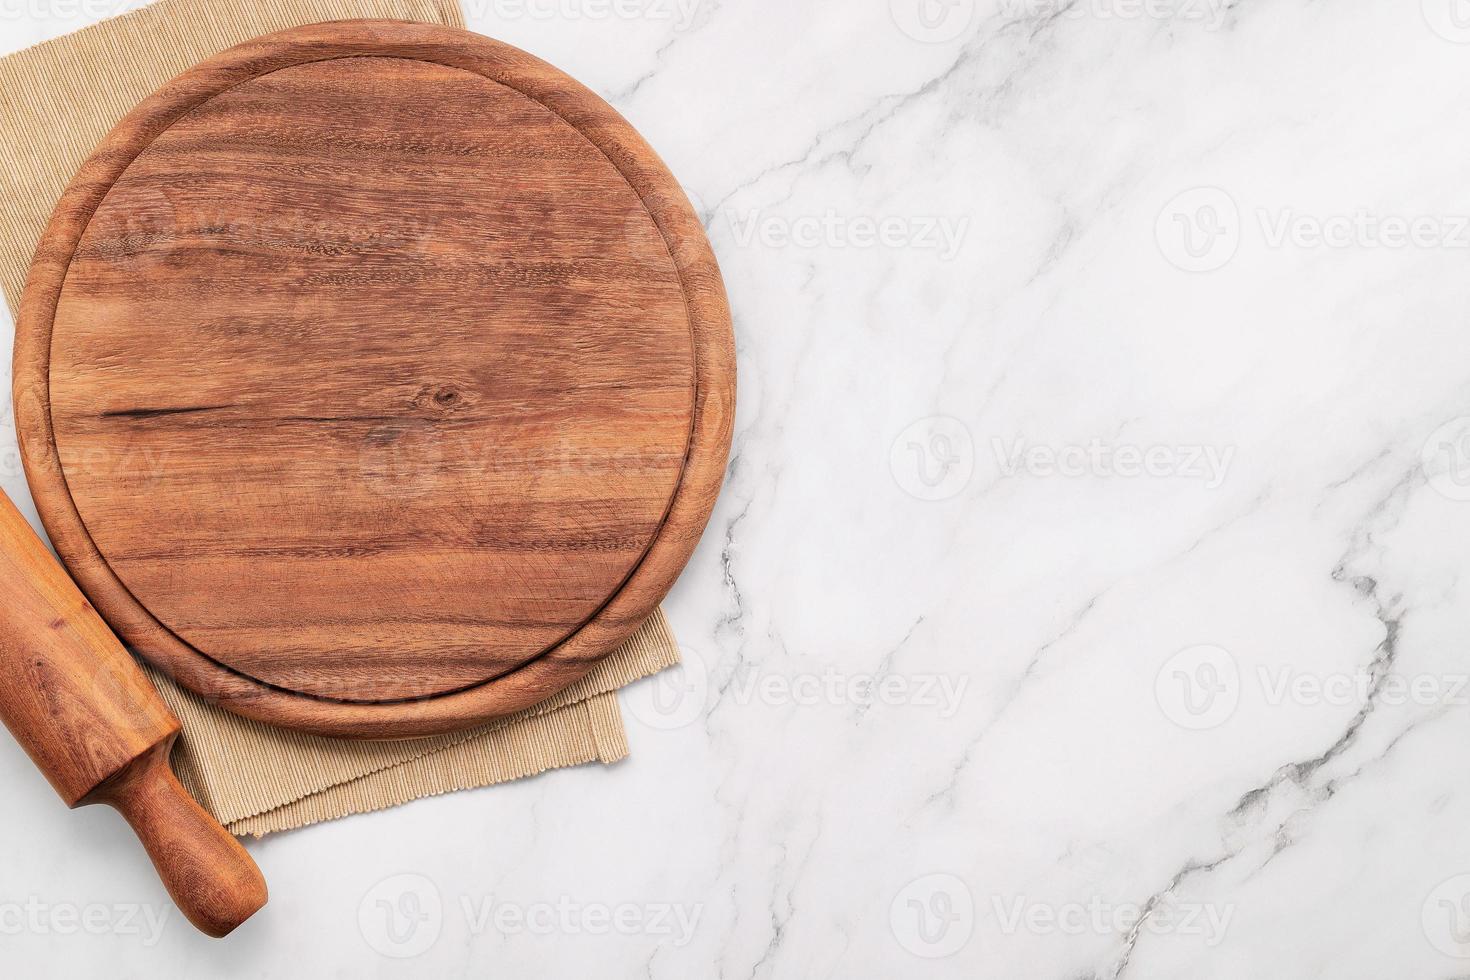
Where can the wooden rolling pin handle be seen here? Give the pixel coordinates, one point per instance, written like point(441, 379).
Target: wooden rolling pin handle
point(83, 710)
point(210, 876)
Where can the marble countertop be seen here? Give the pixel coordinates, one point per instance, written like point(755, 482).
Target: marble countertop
point(1086, 599)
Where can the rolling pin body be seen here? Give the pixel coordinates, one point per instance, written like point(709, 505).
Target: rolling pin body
point(82, 709)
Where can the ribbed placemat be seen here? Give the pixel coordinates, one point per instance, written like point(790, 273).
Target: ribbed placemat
point(60, 99)
point(259, 778)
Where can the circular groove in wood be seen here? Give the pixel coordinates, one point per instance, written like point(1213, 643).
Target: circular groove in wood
point(627, 536)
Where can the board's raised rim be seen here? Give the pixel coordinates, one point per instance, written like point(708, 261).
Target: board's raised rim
point(714, 367)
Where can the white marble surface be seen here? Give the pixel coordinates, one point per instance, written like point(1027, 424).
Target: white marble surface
point(1100, 377)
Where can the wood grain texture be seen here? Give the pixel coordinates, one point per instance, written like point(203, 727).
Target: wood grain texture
point(208, 874)
point(374, 379)
point(83, 710)
point(69, 692)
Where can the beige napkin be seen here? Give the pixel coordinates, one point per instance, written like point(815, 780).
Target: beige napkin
point(59, 100)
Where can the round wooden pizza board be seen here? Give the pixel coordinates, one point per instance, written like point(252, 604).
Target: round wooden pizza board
point(375, 379)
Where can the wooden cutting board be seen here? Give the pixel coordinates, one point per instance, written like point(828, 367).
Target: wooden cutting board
point(375, 379)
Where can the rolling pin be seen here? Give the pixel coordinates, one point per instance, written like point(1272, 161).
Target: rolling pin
point(80, 706)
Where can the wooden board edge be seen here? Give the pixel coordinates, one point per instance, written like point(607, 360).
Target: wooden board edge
point(711, 430)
